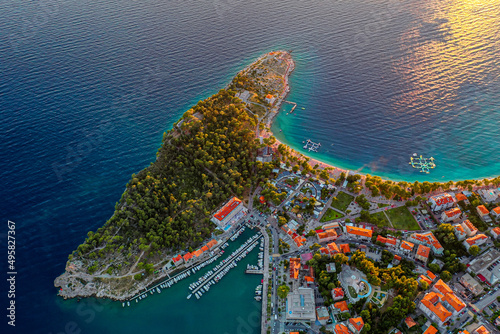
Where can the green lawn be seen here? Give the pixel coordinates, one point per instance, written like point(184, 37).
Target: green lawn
point(352, 292)
point(381, 217)
point(343, 201)
point(402, 219)
point(330, 214)
point(381, 205)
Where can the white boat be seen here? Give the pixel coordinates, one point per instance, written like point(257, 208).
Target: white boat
point(123, 304)
point(189, 296)
point(128, 303)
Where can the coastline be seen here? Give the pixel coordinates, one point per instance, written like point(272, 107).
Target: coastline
point(335, 170)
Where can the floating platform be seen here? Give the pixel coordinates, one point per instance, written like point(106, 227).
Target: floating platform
point(312, 146)
point(424, 164)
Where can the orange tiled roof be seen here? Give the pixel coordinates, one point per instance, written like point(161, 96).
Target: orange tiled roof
point(497, 230)
point(309, 279)
point(177, 258)
point(327, 234)
point(431, 275)
point(187, 256)
point(363, 232)
point(342, 306)
point(410, 322)
point(407, 245)
point(423, 251)
point(428, 238)
point(497, 210)
point(358, 323)
point(341, 329)
point(431, 330)
point(345, 248)
point(204, 248)
point(397, 257)
point(442, 199)
point(227, 209)
point(333, 248)
point(425, 279)
point(197, 252)
point(469, 225)
point(453, 212)
point(389, 240)
point(482, 330)
point(454, 301)
point(338, 292)
point(459, 228)
point(294, 268)
point(443, 287)
point(483, 209)
point(438, 309)
point(461, 197)
point(324, 251)
point(211, 243)
point(473, 240)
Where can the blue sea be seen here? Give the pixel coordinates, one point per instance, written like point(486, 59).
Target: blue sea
point(87, 89)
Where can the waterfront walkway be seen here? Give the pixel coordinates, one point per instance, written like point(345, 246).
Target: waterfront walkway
point(265, 281)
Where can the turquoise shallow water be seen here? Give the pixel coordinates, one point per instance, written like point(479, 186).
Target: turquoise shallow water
point(87, 89)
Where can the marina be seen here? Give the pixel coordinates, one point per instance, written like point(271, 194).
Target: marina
point(212, 277)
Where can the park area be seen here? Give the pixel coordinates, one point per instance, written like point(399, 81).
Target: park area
point(402, 219)
point(382, 220)
point(331, 215)
point(342, 201)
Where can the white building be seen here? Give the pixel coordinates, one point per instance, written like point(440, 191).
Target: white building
point(451, 215)
point(300, 305)
point(441, 202)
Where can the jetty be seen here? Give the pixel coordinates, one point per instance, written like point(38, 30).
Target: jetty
point(312, 146)
point(294, 106)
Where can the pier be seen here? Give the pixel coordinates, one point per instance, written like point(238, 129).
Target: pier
point(254, 271)
point(294, 106)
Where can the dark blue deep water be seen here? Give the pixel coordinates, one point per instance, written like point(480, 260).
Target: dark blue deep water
point(88, 87)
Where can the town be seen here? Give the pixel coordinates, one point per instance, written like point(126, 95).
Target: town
point(429, 264)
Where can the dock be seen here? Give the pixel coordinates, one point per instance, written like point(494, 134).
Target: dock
point(294, 106)
point(229, 261)
point(254, 271)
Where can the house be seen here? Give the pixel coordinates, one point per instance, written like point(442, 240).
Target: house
point(340, 307)
point(459, 232)
point(483, 213)
point(431, 330)
point(462, 197)
point(476, 240)
point(270, 99)
point(469, 228)
point(427, 239)
point(496, 212)
point(481, 330)
point(359, 232)
point(431, 275)
point(344, 248)
point(326, 235)
point(333, 248)
point(486, 267)
point(423, 278)
point(406, 246)
point(441, 202)
point(472, 284)
point(341, 329)
point(322, 315)
point(410, 322)
point(186, 257)
point(177, 259)
point(389, 241)
point(337, 294)
point(489, 195)
point(451, 215)
point(396, 260)
point(441, 303)
point(294, 268)
point(229, 213)
point(422, 253)
point(495, 232)
point(356, 325)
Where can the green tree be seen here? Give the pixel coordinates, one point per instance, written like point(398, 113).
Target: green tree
point(474, 250)
point(445, 276)
point(283, 291)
